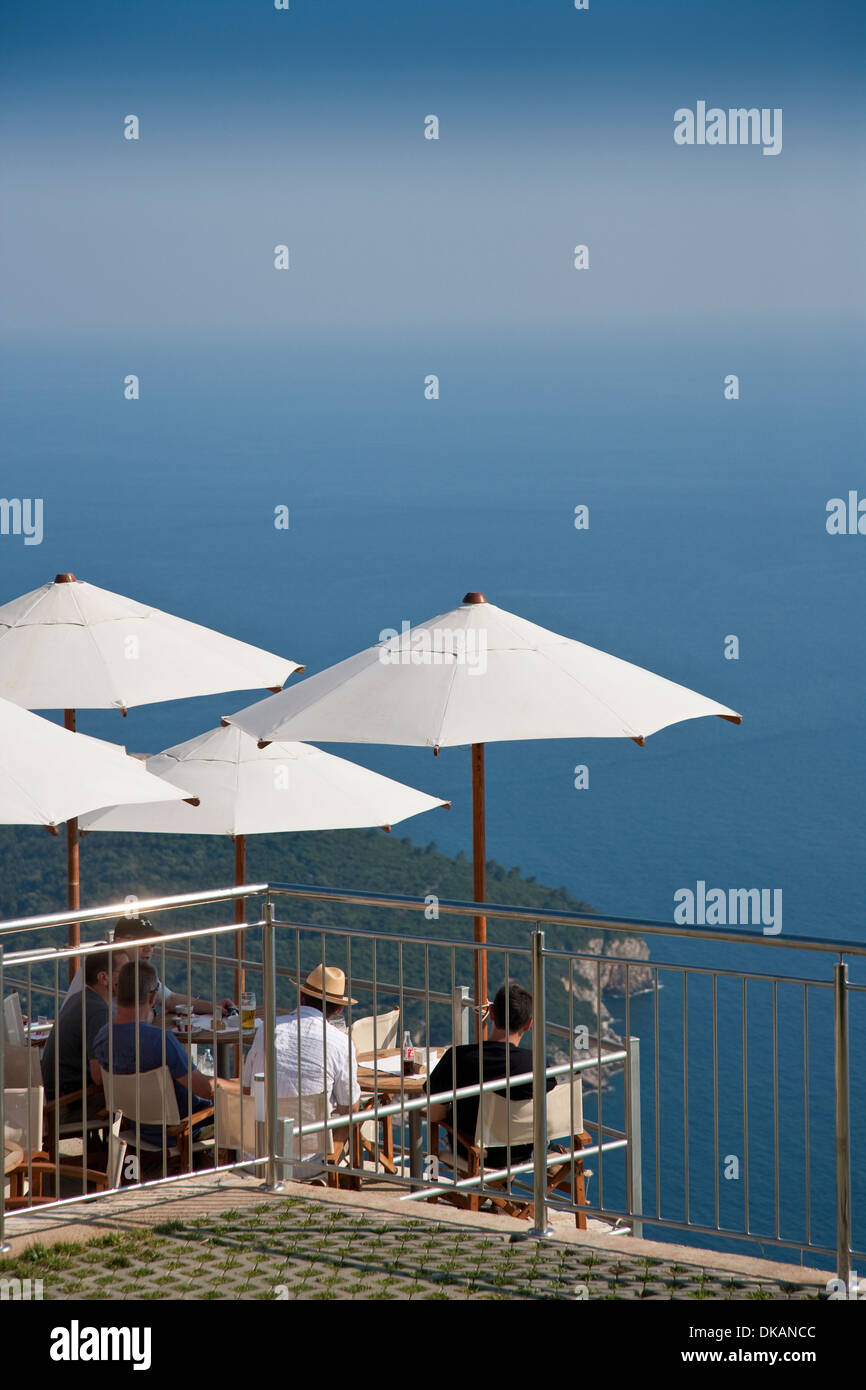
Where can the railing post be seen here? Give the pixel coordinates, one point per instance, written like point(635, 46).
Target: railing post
point(633, 1157)
point(270, 986)
point(287, 1147)
point(5, 1247)
point(843, 1129)
point(539, 1088)
point(460, 1011)
point(260, 1128)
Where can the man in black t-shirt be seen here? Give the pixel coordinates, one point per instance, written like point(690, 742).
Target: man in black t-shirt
point(461, 1066)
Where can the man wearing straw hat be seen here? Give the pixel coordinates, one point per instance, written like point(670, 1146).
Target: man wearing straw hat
point(310, 1050)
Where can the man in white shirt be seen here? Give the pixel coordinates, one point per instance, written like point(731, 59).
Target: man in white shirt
point(310, 1049)
point(312, 1055)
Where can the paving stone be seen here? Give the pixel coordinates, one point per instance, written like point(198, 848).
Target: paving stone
point(301, 1250)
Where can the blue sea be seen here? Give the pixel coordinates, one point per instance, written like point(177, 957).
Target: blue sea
point(707, 520)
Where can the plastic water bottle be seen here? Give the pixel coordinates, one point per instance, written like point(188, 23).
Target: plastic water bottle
point(205, 1064)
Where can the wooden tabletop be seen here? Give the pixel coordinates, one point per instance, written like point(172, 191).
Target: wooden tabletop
point(385, 1082)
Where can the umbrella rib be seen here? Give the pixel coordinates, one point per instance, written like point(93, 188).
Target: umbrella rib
point(444, 710)
point(592, 695)
point(89, 628)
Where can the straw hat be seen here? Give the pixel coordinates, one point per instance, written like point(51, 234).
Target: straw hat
point(334, 985)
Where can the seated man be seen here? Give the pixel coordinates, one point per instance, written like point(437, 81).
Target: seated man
point(307, 1042)
point(134, 1015)
point(461, 1066)
point(62, 1072)
point(137, 929)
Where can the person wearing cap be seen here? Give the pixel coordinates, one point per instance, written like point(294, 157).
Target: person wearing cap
point(310, 1049)
point(138, 929)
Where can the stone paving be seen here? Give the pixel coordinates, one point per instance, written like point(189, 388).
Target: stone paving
point(295, 1248)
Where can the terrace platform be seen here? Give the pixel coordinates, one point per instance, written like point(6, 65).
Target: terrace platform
point(224, 1237)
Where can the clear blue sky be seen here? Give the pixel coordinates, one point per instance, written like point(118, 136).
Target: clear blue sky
point(306, 127)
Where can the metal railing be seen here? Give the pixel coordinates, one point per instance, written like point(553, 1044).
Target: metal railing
point(712, 1037)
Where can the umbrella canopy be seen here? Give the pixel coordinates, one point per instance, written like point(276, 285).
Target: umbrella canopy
point(476, 675)
point(70, 645)
point(48, 775)
point(245, 790)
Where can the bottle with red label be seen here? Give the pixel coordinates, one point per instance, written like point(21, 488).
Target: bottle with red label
point(408, 1055)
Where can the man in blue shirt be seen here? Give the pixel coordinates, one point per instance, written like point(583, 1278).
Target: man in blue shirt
point(134, 1015)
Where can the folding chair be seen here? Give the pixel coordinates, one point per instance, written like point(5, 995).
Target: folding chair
point(503, 1123)
point(375, 1033)
point(236, 1129)
point(372, 1035)
point(23, 1109)
point(148, 1098)
point(13, 1020)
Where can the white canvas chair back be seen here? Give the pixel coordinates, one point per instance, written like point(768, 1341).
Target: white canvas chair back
point(145, 1097)
point(13, 1020)
point(21, 1066)
point(362, 1032)
point(22, 1111)
point(304, 1110)
point(502, 1122)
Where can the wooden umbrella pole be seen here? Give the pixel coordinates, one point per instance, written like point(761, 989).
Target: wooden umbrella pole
point(479, 876)
point(240, 913)
point(73, 882)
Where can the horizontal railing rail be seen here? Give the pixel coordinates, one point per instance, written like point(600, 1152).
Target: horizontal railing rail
point(723, 1064)
point(142, 907)
point(544, 917)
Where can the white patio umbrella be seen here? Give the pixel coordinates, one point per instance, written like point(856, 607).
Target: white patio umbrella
point(244, 790)
point(48, 775)
point(70, 645)
point(475, 675)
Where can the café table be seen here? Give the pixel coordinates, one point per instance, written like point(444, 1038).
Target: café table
point(227, 1041)
point(388, 1087)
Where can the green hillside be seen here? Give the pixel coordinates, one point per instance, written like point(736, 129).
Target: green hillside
point(33, 868)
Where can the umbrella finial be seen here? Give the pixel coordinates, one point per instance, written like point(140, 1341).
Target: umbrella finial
point(474, 598)
point(65, 579)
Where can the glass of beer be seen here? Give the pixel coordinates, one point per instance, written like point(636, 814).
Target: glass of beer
point(248, 1012)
